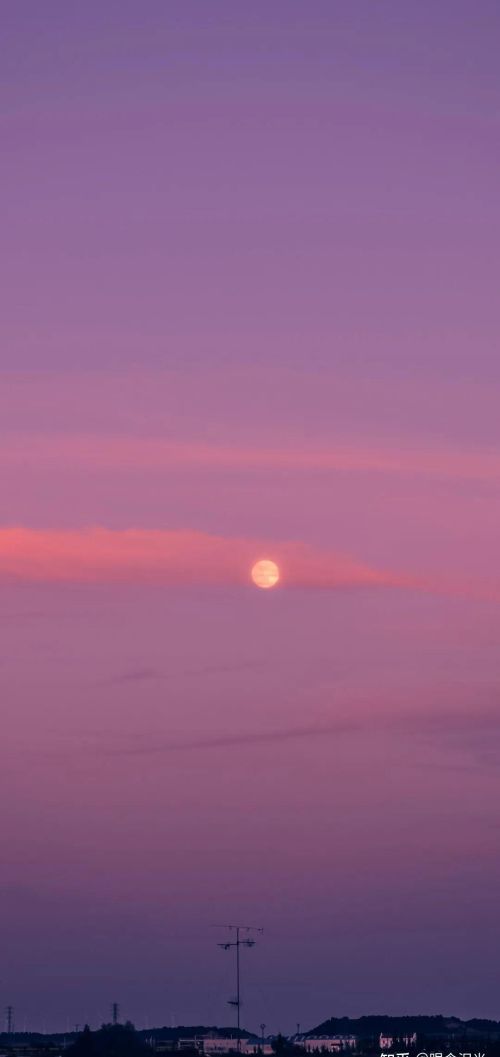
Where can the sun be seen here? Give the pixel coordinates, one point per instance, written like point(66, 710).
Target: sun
point(265, 574)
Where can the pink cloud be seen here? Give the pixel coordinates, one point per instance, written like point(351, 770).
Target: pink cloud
point(187, 557)
point(121, 452)
point(101, 555)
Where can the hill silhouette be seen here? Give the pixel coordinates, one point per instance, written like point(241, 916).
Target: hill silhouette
point(399, 1027)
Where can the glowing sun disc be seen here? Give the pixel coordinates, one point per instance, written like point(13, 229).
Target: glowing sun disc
point(265, 574)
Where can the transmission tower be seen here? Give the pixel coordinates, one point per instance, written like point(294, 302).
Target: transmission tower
point(115, 1012)
point(9, 1018)
point(237, 931)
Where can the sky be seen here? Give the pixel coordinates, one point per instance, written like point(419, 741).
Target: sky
point(249, 310)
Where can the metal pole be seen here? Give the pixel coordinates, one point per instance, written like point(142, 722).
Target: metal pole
point(238, 984)
point(237, 944)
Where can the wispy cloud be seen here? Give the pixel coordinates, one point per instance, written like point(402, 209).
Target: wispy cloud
point(469, 733)
point(134, 675)
point(101, 555)
point(143, 675)
point(249, 738)
point(189, 558)
point(122, 453)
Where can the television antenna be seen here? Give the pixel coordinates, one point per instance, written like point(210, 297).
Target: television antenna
point(242, 938)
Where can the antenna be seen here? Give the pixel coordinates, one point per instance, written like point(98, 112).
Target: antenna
point(237, 930)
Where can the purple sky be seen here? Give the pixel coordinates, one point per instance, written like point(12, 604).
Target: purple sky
point(249, 308)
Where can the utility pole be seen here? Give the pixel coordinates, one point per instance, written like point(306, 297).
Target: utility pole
point(115, 1012)
point(9, 1016)
point(237, 931)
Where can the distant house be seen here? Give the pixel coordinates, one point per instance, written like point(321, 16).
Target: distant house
point(328, 1043)
point(215, 1044)
point(386, 1042)
point(256, 1046)
point(212, 1044)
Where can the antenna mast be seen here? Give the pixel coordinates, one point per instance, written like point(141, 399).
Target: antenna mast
point(238, 942)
